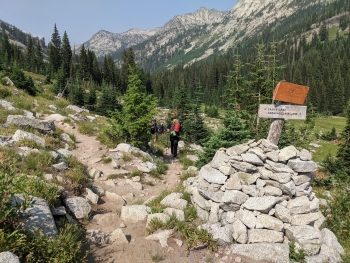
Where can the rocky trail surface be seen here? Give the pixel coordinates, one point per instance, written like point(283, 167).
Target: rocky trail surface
point(106, 213)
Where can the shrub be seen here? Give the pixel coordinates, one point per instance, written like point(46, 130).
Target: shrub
point(4, 93)
point(162, 167)
point(296, 256)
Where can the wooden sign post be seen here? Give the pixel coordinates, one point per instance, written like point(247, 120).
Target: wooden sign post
point(284, 92)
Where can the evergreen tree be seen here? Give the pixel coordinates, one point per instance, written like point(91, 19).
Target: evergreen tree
point(55, 51)
point(235, 131)
point(132, 122)
point(107, 102)
point(30, 55)
point(343, 154)
point(66, 54)
point(39, 58)
point(128, 58)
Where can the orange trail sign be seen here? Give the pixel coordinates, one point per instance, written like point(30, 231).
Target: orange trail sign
point(290, 92)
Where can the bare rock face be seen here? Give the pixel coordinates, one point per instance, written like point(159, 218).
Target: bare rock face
point(263, 199)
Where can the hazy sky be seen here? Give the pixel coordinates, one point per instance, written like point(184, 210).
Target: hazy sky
point(83, 18)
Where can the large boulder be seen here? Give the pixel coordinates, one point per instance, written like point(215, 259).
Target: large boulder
point(23, 121)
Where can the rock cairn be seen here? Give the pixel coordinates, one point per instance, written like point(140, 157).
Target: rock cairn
point(254, 194)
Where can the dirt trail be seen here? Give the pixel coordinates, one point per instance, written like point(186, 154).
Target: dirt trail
point(105, 215)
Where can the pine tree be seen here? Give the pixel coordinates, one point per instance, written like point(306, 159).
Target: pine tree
point(30, 55)
point(235, 132)
point(39, 58)
point(66, 54)
point(131, 123)
point(55, 51)
point(343, 154)
point(128, 58)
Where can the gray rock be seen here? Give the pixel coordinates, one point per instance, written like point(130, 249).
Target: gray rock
point(23, 121)
point(303, 190)
point(7, 105)
point(91, 196)
point(271, 190)
point(300, 166)
point(270, 222)
point(264, 236)
point(260, 153)
point(117, 199)
point(94, 173)
point(247, 218)
point(246, 178)
point(134, 213)
point(260, 253)
point(267, 144)
point(300, 179)
point(97, 189)
point(135, 185)
point(264, 173)
point(160, 216)
point(233, 183)
point(330, 240)
point(40, 216)
point(66, 138)
point(279, 167)
point(214, 213)
point(117, 236)
point(273, 156)
point(252, 159)
point(326, 255)
point(199, 200)
point(287, 153)
point(66, 153)
point(222, 234)
point(180, 215)
point(239, 232)
point(212, 175)
point(237, 149)
point(214, 196)
point(307, 237)
point(76, 108)
point(244, 167)
point(22, 135)
point(251, 190)
point(202, 214)
point(8, 257)
point(115, 162)
point(299, 205)
point(281, 177)
point(282, 213)
point(162, 237)
point(220, 158)
point(60, 166)
point(78, 206)
point(193, 158)
point(304, 219)
point(174, 200)
point(262, 204)
point(227, 169)
point(234, 196)
point(124, 147)
point(305, 155)
point(319, 222)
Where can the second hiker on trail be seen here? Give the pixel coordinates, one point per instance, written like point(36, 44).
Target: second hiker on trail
point(174, 128)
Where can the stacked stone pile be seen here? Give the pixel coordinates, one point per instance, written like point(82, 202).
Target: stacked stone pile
point(254, 193)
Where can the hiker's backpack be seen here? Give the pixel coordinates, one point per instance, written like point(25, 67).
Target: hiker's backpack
point(177, 127)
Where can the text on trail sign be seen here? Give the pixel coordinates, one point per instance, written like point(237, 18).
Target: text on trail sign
point(287, 112)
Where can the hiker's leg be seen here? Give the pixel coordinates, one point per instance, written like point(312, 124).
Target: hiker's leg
point(172, 144)
point(175, 146)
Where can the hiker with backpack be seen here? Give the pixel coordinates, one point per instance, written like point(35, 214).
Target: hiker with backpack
point(174, 128)
point(154, 129)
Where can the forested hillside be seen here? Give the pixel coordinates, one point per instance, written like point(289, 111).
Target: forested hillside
point(308, 49)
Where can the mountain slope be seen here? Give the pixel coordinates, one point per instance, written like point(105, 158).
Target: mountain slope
point(195, 36)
